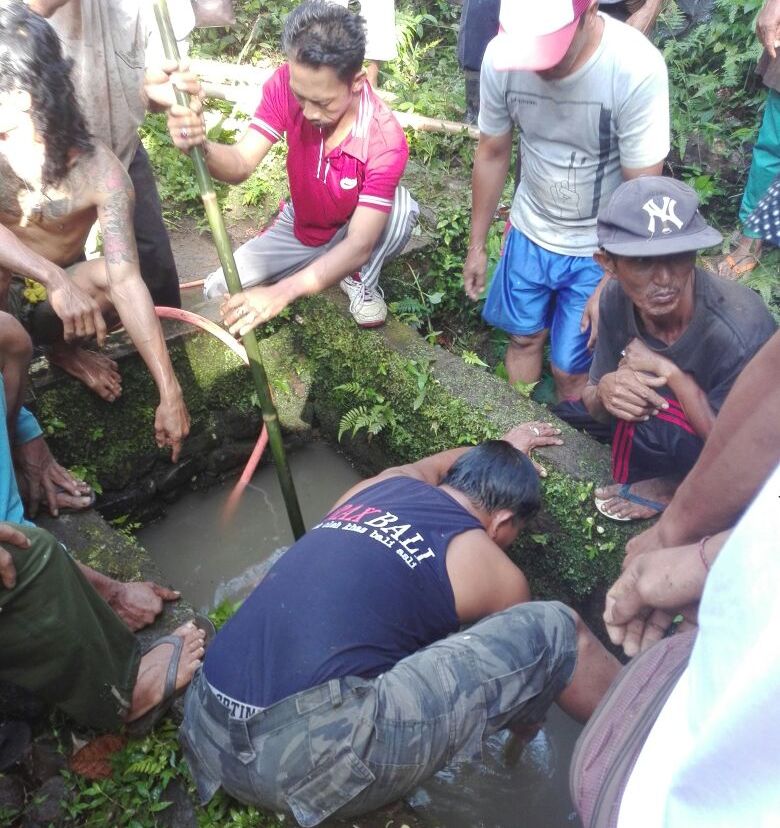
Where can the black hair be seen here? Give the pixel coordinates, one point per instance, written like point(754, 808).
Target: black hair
point(31, 60)
point(495, 475)
point(318, 33)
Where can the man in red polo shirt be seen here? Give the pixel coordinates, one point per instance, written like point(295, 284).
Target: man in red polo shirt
point(346, 154)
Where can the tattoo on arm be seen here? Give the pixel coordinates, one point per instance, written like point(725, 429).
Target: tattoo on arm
point(116, 200)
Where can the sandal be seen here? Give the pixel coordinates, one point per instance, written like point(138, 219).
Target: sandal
point(626, 494)
point(737, 267)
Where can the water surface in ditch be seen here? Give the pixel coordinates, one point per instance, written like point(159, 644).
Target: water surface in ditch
point(210, 563)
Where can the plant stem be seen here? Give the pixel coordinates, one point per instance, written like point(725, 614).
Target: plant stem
point(225, 252)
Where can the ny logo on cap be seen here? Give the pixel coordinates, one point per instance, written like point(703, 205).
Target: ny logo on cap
point(665, 214)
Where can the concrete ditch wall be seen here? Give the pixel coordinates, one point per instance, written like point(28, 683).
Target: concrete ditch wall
point(435, 401)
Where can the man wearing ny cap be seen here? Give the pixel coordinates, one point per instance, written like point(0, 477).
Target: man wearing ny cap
point(589, 95)
point(672, 340)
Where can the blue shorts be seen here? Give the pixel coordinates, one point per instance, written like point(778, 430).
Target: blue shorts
point(534, 289)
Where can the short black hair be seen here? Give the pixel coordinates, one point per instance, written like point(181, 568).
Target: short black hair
point(319, 33)
point(31, 60)
point(495, 475)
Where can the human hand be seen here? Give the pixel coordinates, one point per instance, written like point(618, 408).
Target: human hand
point(10, 534)
point(171, 423)
point(79, 312)
point(40, 476)
point(140, 602)
point(161, 83)
point(475, 271)
point(768, 26)
point(629, 395)
point(244, 311)
point(638, 357)
point(654, 588)
point(528, 436)
point(590, 319)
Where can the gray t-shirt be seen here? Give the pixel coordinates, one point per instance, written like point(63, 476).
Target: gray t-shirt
point(107, 40)
point(730, 323)
point(577, 132)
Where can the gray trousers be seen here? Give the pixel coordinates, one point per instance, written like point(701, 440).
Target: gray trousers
point(277, 253)
point(349, 746)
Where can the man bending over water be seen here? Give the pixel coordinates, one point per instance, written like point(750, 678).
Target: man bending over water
point(54, 181)
point(342, 681)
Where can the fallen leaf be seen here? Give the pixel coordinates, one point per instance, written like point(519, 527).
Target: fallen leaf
point(94, 760)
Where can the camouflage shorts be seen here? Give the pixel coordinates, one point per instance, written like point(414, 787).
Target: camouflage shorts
point(351, 745)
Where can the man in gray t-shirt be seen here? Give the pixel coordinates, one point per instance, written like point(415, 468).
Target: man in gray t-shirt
point(672, 341)
point(590, 98)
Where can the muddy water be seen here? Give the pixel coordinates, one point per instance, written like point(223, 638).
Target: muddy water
point(510, 788)
point(210, 563)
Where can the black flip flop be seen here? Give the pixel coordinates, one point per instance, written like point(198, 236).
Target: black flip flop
point(144, 724)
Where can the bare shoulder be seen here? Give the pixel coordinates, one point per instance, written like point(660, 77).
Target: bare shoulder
point(484, 580)
point(100, 174)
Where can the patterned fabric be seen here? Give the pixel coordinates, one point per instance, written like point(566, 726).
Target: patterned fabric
point(351, 745)
point(764, 221)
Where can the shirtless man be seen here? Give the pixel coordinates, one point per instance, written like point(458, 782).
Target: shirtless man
point(54, 182)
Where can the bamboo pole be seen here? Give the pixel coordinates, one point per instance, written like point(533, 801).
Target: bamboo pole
point(225, 251)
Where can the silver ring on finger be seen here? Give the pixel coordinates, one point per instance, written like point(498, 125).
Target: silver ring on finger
point(535, 430)
point(184, 132)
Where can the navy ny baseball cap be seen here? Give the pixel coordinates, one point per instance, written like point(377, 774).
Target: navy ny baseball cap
point(654, 216)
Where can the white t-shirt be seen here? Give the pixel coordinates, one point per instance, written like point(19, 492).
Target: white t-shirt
point(576, 132)
point(713, 756)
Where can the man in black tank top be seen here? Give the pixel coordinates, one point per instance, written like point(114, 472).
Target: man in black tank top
point(343, 681)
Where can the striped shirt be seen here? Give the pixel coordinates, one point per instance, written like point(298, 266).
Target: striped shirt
point(326, 187)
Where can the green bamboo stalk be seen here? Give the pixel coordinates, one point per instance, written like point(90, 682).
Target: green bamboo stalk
point(225, 251)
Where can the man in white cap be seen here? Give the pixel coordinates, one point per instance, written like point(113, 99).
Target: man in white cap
point(590, 97)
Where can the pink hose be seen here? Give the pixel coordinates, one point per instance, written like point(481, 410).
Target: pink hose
point(262, 441)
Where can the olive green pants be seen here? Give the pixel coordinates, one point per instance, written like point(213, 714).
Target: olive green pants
point(61, 641)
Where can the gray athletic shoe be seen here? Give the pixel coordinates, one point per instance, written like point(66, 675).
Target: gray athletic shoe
point(366, 305)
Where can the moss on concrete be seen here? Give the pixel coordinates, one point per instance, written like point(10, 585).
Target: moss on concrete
point(432, 399)
point(115, 442)
point(570, 550)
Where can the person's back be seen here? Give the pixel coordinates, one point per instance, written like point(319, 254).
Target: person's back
point(364, 588)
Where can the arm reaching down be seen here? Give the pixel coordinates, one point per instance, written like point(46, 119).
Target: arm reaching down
point(254, 306)
point(130, 297)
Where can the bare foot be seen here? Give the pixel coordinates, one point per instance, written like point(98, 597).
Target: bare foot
point(99, 373)
point(150, 682)
point(741, 260)
point(658, 490)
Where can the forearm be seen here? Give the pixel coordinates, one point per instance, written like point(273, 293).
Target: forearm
point(487, 184)
point(134, 306)
point(693, 401)
point(107, 588)
point(343, 259)
point(592, 401)
point(671, 581)
point(226, 163)
point(16, 257)
point(745, 438)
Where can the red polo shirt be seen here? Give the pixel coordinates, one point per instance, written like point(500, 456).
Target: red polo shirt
point(326, 188)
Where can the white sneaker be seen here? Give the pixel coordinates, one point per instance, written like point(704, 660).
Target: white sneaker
point(366, 305)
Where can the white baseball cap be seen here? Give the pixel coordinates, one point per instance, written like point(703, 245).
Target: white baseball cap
point(534, 35)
